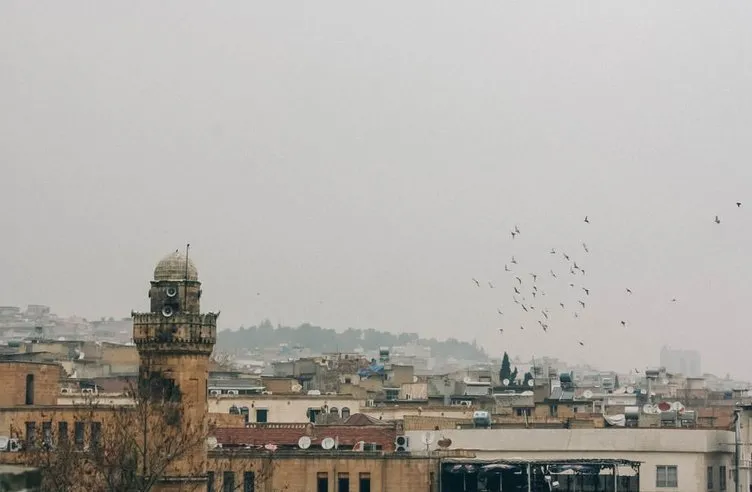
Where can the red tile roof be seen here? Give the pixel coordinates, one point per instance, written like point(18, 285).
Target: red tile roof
point(287, 435)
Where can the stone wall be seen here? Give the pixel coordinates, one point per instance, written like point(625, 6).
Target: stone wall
point(13, 380)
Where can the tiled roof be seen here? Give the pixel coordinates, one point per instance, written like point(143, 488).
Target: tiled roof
point(287, 435)
point(363, 419)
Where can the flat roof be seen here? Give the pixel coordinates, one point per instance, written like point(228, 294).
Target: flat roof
point(525, 461)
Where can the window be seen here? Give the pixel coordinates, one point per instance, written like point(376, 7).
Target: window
point(345, 412)
point(262, 415)
point(29, 389)
point(666, 476)
point(343, 482)
point(96, 434)
point(31, 434)
point(322, 482)
point(244, 412)
point(78, 431)
point(313, 414)
point(47, 434)
point(249, 482)
point(722, 478)
point(62, 432)
point(710, 478)
point(553, 410)
point(228, 481)
point(364, 483)
point(334, 410)
point(210, 481)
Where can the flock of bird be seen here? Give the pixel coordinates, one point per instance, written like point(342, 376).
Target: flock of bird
point(539, 307)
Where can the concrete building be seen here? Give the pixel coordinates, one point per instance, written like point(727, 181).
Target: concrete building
point(685, 362)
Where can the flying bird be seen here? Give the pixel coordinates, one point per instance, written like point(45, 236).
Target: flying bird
point(717, 220)
point(673, 300)
point(524, 308)
point(499, 311)
point(587, 291)
point(514, 261)
point(575, 266)
point(545, 313)
point(535, 276)
point(553, 251)
point(519, 280)
point(587, 220)
point(506, 268)
point(566, 256)
point(582, 303)
point(476, 282)
point(513, 234)
point(571, 285)
point(522, 327)
point(553, 274)
point(490, 284)
point(629, 291)
point(582, 344)
point(516, 291)
point(501, 330)
point(571, 271)
point(738, 204)
point(623, 323)
point(576, 315)
point(584, 246)
point(561, 304)
point(516, 229)
point(582, 271)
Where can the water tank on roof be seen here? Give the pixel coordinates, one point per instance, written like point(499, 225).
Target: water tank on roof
point(482, 418)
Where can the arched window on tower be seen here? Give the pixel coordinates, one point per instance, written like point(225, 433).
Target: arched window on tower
point(345, 412)
point(29, 389)
point(334, 411)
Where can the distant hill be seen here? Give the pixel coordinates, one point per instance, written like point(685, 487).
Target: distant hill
point(327, 340)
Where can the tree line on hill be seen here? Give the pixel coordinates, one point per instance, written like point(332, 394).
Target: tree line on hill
point(322, 340)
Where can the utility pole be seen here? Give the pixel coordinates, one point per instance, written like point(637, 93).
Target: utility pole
point(737, 447)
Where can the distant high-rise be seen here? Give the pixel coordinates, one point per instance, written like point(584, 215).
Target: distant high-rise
point(686, 362)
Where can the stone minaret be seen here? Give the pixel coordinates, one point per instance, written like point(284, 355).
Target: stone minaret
point(176, 340)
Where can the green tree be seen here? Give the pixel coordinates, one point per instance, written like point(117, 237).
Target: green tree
point(506, 368)
point(513, 376)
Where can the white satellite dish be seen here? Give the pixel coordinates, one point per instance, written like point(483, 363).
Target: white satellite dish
point(505, 382)
point(296, 388)
point(648, 408)
point(676, 406)
point(466, 380)
point(304, 442)
point(212, 442)
point(630, 390)
point(427, 439)
point(327, 443)
point(530, 382)
point(587, 394)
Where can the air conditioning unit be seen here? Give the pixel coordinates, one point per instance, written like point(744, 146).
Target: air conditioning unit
point(370, 403)
point(215, 392)
point(87, 391)
point(466, 403)
point(233, 392)
point(402, 444)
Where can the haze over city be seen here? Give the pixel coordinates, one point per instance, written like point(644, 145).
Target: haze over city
point(330, 163)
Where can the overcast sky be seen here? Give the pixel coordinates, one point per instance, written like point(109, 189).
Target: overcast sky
point(357, 165)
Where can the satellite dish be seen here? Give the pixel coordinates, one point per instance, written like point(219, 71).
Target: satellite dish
point(530, 382)
point(505, 382)
point(427, 439)
point(630, 390)
point(171, 291)
point(647, 408)
point(327, 443)
point(466, 380)
point(270, 447)
point(664, 406)
point(212, 442)
point(167, 311)
point(444, 443)
point(304, 442)
point(296, 388)
point(676, 406)
point(587, 394)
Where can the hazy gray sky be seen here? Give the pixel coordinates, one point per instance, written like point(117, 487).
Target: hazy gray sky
point(357, 164)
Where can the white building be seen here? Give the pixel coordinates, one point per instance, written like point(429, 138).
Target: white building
point(685, 460)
